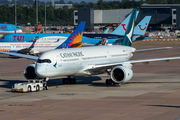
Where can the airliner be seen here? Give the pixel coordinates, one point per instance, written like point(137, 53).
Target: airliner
point(74, 40)
point(88, 61)
point(9, 28)
point(88, 39)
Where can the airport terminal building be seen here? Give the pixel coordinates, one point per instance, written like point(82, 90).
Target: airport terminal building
point(92, 16)
point(162, 14)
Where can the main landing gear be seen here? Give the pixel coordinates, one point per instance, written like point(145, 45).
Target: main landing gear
point(69, 80)
point(110, 82)
point(45, 86)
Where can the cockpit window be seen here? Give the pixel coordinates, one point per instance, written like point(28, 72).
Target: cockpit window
point(43, 61)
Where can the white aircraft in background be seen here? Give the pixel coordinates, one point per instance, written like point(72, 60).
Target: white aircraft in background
point(87, 61)
point(36, 48)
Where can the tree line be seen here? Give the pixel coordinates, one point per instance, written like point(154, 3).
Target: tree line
point(26, 14)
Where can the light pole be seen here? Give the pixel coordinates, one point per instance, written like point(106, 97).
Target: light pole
point(45, 16)
point(15, 17)
point(37, 12)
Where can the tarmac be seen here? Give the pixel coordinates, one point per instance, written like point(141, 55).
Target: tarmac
point(152, 93)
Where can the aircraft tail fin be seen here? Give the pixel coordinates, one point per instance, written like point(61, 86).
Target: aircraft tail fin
point(106, 31)
point(141, 28)
point(57, 40)
point(127, 41)
point(121, 29)
point(74, 38)
point(32, 45)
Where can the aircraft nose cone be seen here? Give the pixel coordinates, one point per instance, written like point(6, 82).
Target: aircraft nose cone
point(19, 31)
point(40, 71)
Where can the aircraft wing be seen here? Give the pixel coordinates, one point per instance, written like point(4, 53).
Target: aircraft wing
point(153, 49)
point(104, 66)
point(152, 60)
point(20, 55)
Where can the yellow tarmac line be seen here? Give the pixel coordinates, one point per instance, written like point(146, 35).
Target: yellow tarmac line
point(45, 106)
point(16, 112)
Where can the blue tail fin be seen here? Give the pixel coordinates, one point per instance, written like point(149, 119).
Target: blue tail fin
point(141, 28)
point(129, 32)
point(75, 37)
point(106, 31)
point(32, 45)
point(121, 29)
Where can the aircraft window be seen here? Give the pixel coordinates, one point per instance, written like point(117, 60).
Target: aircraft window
point(118, 55)
point(44, 61)
point(70, 60)
point(97, 57)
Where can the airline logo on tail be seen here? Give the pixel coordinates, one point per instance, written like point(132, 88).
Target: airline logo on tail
point(74, 40)
point(131, 32)
point(120, 30)
point(123, 25)
point(142, 28)
point(128, 35)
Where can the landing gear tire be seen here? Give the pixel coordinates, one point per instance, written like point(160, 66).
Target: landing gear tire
point(29, 88)
point(46, 87)
point(110, 82)
point(37, 88)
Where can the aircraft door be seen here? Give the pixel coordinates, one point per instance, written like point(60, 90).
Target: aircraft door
point(109, 55)
point(46, 68)
point(11, 38)
point(59, 61)
point(9, 28)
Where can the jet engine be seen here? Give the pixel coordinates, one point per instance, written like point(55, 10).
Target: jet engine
point(29, 72)
point(121, 74)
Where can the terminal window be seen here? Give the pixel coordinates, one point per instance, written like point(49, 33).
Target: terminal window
point(174, 20)
point(156, 10)
point(174, 12)
point(76, 13)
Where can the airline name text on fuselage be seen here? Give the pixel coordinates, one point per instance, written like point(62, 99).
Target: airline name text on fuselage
point(72, 54)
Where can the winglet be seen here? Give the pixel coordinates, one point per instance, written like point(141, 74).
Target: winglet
point(121, 29)
point(75, 37)
point(141, 28)
point(127, 41)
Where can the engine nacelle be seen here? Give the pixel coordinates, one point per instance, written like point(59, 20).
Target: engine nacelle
point(29, 72)
point(121, 74)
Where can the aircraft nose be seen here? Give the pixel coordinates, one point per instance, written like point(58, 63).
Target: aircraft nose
point(19, 31)
point(40, 70)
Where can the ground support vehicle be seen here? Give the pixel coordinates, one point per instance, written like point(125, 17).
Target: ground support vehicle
point(30, 85)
